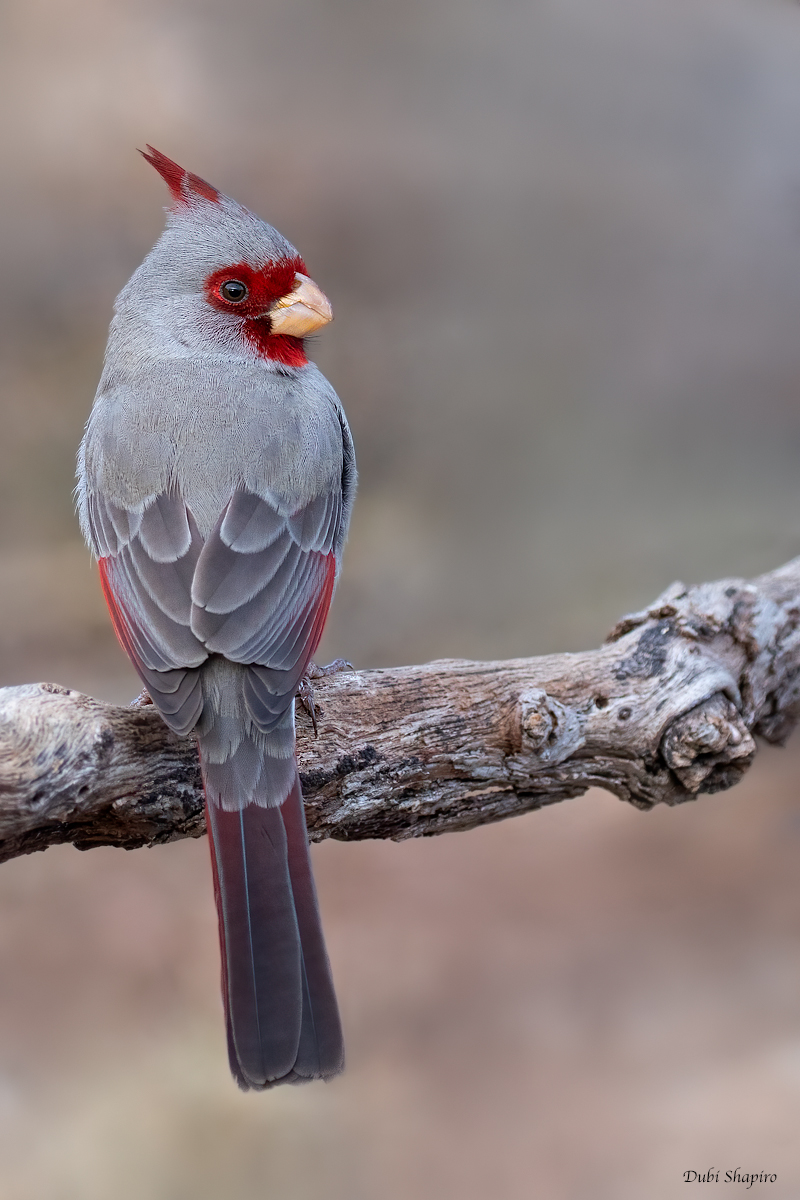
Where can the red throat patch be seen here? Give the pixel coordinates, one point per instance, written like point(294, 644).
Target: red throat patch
point(278, 347)
point(183, 185)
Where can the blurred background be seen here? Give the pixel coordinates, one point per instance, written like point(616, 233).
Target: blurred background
point(562, 241)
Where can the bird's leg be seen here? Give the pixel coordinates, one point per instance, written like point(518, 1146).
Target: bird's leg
point(142, 700)
point(305, 689)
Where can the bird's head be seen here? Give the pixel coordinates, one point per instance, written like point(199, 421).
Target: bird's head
point(220, 279)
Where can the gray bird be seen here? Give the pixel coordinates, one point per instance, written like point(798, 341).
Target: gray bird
point(215, 483)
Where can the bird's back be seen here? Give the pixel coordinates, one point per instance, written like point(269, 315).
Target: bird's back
point(204, 429)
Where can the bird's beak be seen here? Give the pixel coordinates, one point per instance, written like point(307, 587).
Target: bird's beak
point(304, 309)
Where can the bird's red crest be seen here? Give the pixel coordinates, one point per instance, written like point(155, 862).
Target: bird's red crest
point(183, 185)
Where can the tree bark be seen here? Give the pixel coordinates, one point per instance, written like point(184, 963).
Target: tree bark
point(666, 709)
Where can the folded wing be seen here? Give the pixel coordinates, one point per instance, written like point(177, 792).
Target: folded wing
point(257, 592)
point(261, 593)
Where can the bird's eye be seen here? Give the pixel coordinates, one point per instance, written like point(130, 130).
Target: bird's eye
point(233, 290)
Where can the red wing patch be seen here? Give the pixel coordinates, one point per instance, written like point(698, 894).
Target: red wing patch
point(323, 606)
point(119, 618)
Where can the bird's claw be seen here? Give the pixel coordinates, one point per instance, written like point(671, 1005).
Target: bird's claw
point(142, 700)
point(305, 689)
point(313, 671)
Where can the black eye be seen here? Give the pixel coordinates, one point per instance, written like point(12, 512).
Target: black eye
point(233, 290)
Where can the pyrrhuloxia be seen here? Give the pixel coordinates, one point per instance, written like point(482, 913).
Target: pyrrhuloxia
point(216, 478)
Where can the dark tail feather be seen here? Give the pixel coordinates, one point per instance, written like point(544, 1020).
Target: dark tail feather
point(321, 1050)
point(282, 1018)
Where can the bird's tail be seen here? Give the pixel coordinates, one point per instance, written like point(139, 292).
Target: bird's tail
point(280, 1007)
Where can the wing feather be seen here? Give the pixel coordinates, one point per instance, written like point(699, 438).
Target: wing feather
point(168, 584)
point(262, 590)
point(227, 580)
point(259, 640)
point(249, 525)
point(147, 559)
point(230, 632)
point(164, 530)
point(308, 526)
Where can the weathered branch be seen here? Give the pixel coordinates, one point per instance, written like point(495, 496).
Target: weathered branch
point(666, 709)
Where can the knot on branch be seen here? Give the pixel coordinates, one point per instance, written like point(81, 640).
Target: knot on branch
point(550, 730)
point(709, 748)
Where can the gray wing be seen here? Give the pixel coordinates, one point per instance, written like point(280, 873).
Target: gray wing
point(257, 592)
point(262, 589)
point(147, 561)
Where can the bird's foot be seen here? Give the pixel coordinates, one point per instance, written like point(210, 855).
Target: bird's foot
point(142, 700)
point(305, 689)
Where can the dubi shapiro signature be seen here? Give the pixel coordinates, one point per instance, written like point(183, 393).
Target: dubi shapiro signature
point(734, 1176)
